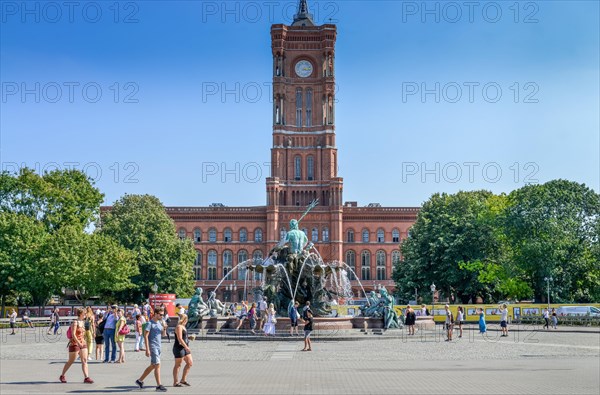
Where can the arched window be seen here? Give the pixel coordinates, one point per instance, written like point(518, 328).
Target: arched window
point(299, 107)
point(309, 107)
point(227, 263)
point(243, 235)
point(298, 168)
point(381, 265)
point(350, 236)
point(258, 235)
point(380, 236)
point(314, 235)
point(212, 265)
point(282, 234)
point(305, 231)
point(351, 261)
point(325, 234)
point(242, 257)
point(395, 257)
point(227, 235)
point(396, 236)
point(182, 233)
point(212, 235)
point(365, 236)
point(310, 168)
point(258, 258)
point(198, 266)
point(197, 235)
point(365, 259)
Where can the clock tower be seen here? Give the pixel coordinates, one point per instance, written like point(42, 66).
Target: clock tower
point(304, 154)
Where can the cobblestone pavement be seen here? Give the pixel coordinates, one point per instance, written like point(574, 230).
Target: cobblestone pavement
point(525, 362)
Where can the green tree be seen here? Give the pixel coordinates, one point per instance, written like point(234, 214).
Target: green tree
point(141, 224)
point(57, 198)
point(553, 232)
point(21, 245)
point(89, 264)
point(450, 231)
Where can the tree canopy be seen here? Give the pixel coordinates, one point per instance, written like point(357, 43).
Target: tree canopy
point(141, 224)
point(477, 244)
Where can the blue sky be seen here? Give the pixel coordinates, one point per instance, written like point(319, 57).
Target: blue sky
point(127, 93)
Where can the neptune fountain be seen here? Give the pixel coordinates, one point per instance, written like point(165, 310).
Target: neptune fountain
point(295, 271)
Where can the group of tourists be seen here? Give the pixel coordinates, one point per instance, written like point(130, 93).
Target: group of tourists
point(109, 329)
point(263, 318)
point(451, 323)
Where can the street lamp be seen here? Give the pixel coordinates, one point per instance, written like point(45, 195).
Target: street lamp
point(155, 289)
point(548, 279)
point(432, 288)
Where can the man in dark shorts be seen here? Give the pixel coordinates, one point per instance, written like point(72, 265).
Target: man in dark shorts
point(294, 315)
point(308, 328)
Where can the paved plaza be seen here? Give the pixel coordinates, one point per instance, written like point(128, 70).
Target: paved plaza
point(532, 362)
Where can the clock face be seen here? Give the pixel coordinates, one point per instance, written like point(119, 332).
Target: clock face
point(304, 68)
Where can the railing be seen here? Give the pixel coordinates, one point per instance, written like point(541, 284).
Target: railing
point(574, 320)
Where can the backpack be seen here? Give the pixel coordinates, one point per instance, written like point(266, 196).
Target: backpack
point(87, 325)
point(69, 333)
point(101, 326)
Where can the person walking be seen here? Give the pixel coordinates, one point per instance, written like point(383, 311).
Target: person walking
point(136, 311)
point(109, 335)
point(182, 353)
point(90, 328)
point(180, 310)
point(152, 338)
point(262, 313)
point(269, 328)
point(504, 320)
point(54, 321)
point(410, 320)
point(77, 346)
point(294, 315)
point(99, 337)
point(252, 317)
point(167, 320)
point(243, 315)
point(138, 333)
point(449, 323)
point(554, 319)
point(460, 318)
point(546, 316)
point(308, 328)
point(482, 325)
point(12, 320)
point(121, 330)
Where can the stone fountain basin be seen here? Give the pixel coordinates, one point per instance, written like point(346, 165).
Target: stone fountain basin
point(283, 323)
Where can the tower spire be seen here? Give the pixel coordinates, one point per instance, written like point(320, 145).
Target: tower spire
point(303, 17)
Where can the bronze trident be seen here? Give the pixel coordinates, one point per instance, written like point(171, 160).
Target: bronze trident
point(312, 205)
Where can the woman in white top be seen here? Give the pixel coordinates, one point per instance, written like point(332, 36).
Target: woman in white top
point(13, 320)
point(460, 317)
point(504, 320)
point(269, 328)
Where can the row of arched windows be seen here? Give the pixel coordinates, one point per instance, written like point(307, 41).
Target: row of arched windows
point(227, 235)
point(227, 266)
point(366, 236)
point(365, 264)
point(313, 236)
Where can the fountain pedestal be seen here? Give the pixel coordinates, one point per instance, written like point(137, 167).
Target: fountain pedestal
point(425, 322)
